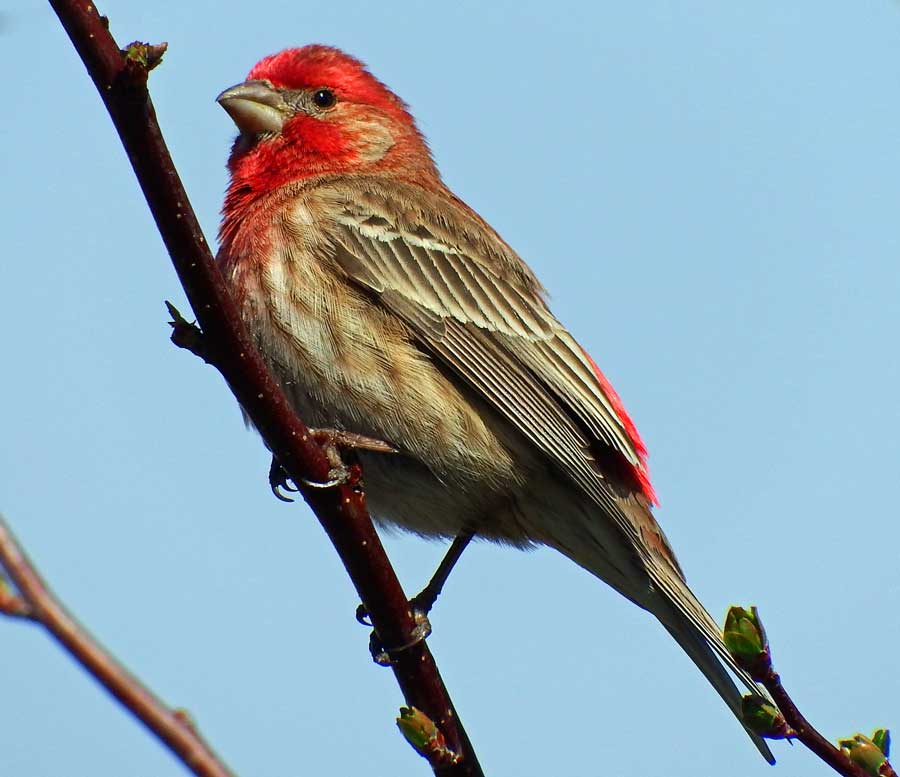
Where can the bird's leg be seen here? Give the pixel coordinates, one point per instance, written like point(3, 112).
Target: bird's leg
point(334, 442)
point(423, 601)
point(420, 605)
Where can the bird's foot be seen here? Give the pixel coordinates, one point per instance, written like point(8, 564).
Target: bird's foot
point(350, 441)
point(420, 605)
point(383, 654)
point(333, 442)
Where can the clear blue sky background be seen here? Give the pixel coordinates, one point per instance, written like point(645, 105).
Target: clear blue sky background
point(710, 192)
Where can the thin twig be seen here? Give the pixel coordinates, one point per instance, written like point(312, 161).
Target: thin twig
point(805, 732)
point(121, 82)
point(168, 725)
point(746, 639)
point(12, 604)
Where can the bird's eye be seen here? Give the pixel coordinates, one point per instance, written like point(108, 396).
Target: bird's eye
point(324, 99)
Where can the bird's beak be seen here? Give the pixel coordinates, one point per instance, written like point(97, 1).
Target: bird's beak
point(255, 106)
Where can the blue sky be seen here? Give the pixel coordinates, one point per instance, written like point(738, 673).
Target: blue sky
point(710, 193)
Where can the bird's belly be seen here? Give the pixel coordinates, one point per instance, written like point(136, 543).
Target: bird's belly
point(347, 363)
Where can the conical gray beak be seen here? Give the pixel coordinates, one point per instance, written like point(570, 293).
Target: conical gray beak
point(255, 106)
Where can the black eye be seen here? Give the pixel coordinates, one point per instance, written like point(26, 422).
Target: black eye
point(324, 98)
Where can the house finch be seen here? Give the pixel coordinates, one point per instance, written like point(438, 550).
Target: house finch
point(388, 308)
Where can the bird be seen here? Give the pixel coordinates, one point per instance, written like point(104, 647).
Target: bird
point(387, 308)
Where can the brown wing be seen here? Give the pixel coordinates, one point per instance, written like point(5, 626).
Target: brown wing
point(475, 306)
point(436, 273)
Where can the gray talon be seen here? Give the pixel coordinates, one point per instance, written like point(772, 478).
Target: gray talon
point(338, 479)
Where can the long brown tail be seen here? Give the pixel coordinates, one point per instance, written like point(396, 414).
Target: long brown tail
point(687, 620)
point(670, 599)
point(708, 662)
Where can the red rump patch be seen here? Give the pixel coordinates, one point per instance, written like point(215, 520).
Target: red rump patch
point(640, 473)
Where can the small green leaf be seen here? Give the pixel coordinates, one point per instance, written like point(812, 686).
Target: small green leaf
point(425, 737)
point(144, 55)
point(745, 638)
point(417, 728)
point(864, 753)
point(764, 718)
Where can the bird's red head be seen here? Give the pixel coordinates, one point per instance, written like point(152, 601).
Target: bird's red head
point(317, 111)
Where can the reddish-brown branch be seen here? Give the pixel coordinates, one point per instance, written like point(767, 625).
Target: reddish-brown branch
point(43, 607)
point(12, 604)
point(746, 638)
point(121, 82)
point(805, 732)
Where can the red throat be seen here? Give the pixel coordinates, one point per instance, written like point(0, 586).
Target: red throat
point(310, 147)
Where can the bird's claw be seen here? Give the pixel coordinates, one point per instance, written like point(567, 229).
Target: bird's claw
point(333, 441)
point(337, 476)
point(383, 655)
point(362, 616)
point(279, 481)
point(422, 603)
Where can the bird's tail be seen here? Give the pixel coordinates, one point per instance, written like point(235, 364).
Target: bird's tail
point(668, 597)
point(708, 662)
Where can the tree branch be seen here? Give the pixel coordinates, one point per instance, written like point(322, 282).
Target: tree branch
point(809, 735)
point(805, 732)
point(172, 727)
point(120, 78)
point(747, 641)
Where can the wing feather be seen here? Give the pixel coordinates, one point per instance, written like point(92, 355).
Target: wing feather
point(415, 258)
